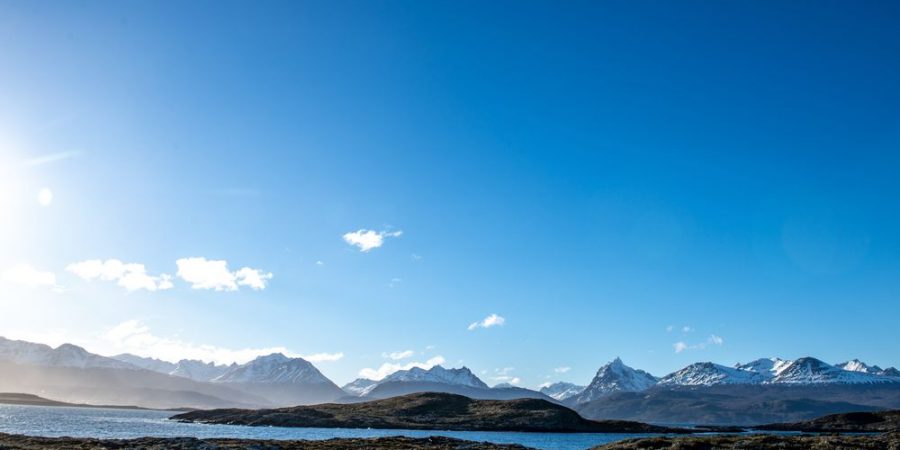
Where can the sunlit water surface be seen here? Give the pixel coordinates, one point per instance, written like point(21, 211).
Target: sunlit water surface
point(128, 423)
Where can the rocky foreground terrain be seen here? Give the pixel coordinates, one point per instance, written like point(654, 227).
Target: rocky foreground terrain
point(17, 442)
point(857, 422)
point(889, 441)
point(427, 411)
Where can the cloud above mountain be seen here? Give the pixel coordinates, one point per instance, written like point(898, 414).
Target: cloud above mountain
point(131, 276)
point(134, 336)
point(210, 274)
point(27, 275)
point(388, 368)
point(713, 339)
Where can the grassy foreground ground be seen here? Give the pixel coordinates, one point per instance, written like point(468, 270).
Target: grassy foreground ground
point(890, 441)
point(18, 442)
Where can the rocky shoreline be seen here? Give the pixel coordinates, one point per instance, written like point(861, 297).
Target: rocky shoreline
point(19, 442)
point(889, 441)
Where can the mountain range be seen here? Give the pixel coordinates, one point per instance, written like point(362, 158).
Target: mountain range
point(786, 390)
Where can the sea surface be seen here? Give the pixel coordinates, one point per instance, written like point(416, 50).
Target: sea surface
point(132, 423)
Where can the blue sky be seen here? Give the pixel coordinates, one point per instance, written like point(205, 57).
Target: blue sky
point(609, 178)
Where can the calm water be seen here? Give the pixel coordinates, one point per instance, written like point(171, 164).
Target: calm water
point(124, 423)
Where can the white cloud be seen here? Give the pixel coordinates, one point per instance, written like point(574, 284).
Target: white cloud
point(389, 368)
point(396, 356)
point(213, 274)
point(135, 337)
point(711, 340)
point(687, 329)
point(507, 379)
point(489, 321)
point(563, 369)
point(320, 263)
point(394, 282)
point(670, 328)
point(131, 276)
point(324, 357)
point(368, 239)
point(27, 275)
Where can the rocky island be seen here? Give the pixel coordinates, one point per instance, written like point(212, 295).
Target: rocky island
point(427, 411)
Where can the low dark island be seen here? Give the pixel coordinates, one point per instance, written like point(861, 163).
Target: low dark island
point(856, 422)
point(428, 411)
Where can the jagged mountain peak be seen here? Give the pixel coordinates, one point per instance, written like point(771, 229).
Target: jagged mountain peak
point(615, 376)
point(708, 373)
point(273, 368)
point(438, 374)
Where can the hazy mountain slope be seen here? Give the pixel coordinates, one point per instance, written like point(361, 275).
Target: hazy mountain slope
point(120, 387)
point(283, 381)
point(156, 365)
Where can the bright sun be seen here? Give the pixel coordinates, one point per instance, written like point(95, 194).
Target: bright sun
point(45, 197)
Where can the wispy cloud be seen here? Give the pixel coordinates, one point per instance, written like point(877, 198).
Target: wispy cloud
point(563, 369)
point(389, 368)
point(396, 356)
point(323, 357)
point(27, 275)
point(131, 276)
point(132, 336)
point(492, 320)
point(369, 239)
point(504, 375)
point(211, 274)
point(50, 158)
point(713, 339)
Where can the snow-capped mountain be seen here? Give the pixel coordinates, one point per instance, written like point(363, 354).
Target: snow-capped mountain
point(562, 390)
point(274, 368)
point(66, 355)
point(856, 365)
point(198, 370)
point(707, 373)
point(358, 386)
point(615, 376)
point(437, 374)
point(503, 386)
point(186, 368)
point(813, 371)
point(156, 365)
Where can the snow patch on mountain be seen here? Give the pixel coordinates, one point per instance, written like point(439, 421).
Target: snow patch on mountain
point(707, 374)
point(562, 390)
point(66, 355)
point(438, 374)
point(358, 386)
point(274, 368)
